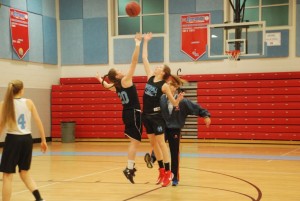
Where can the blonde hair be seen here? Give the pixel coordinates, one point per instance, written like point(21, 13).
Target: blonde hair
point(8, 115)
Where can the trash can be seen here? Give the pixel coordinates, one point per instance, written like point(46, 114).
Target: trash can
point(68, 131)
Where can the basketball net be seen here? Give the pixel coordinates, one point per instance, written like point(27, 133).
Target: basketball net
point(233, 54)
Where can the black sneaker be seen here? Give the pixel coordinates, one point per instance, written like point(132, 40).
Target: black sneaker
point(129, 174)
point(148, 160)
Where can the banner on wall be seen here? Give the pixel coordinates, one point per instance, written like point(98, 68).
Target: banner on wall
point(19, 32)
point(194, 34)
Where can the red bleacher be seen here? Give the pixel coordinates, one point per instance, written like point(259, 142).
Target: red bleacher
point(262, 106)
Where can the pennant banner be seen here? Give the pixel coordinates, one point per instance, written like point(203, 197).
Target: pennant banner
point(19, 31)
point(194, 34)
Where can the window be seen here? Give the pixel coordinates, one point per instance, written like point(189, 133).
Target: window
point(150, 19)
point(274, 12)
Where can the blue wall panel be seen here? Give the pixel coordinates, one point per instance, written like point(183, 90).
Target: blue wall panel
point(36, 38)
point(49, 8)
point(175, 40)
point(209, 5)
point(5, 39)
point(180, 6)
point(71, 42)
point(95, 41)
point(70, 9)
point(5, 2)
point(50, 40)
point(123, 49)
point(283, 49)
point(35, 6)
point(94, 8)
point(156, 50)
point(19, 4)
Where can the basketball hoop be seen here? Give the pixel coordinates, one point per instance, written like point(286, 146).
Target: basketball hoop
point(233, 54)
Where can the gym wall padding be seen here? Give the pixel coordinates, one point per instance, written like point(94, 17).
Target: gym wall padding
point(84, 32)
point(252, 106)
point(42, 17)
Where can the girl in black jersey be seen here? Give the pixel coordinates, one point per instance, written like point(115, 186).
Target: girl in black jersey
point(131, 115)
point(152, 118)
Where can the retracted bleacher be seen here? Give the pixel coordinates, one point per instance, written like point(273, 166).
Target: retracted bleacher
point(252, 106)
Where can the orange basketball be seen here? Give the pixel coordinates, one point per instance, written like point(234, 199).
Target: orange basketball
point(133, 9)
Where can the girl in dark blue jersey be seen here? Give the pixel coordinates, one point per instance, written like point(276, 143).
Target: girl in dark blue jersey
point(131, 115)
point(152, 118)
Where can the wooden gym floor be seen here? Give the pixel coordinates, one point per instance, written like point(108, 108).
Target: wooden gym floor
point(210, 171)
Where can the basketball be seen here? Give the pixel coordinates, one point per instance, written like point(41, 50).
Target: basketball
point(133, 9)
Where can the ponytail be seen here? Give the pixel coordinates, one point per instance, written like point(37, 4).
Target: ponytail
point(112, 78)
point(8, 115)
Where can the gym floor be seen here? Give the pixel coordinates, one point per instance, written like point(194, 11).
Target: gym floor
point(209, 171)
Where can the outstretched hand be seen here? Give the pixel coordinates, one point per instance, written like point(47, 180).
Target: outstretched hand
point(98, 76)
point(180, 96)
point(138, 38)
point(148, 36)
point(207, 121)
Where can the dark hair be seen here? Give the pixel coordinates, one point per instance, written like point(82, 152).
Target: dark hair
point(111, 75)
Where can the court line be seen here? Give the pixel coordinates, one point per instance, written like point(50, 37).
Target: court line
point(188, 155)
point(286, 153)
point(70, 179)
point(259, 192)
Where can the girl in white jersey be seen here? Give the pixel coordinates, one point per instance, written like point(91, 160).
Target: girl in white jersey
point(15, 117)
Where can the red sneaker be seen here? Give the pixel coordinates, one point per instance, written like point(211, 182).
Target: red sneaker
point(167, 179)
point(161, 175)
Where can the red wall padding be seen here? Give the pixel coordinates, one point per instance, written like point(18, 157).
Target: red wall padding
point(262, 106)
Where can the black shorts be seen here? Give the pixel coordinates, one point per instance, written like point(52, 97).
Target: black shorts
point(132, 120)
point(17, 151)
point(154, 123)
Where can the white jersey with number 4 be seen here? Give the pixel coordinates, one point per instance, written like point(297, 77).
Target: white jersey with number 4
point(23, 118)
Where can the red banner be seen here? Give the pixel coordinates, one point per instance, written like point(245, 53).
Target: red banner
point(194, 34)
point(19, 31)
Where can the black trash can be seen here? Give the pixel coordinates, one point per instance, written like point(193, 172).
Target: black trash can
point(68, 131)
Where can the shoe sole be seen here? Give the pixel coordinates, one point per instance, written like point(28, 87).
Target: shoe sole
point(131, 180)
point(147, 159)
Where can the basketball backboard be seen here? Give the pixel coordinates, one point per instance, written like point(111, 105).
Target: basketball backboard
point(247, 37)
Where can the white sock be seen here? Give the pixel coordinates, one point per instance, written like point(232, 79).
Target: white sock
point(130, 164)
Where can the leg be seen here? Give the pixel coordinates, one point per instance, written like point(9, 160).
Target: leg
point(28, 181)
point(163, 147)
point(174, 140)
point(166, 157)
point(129, 171)
point(132, 148)
point(7, 186)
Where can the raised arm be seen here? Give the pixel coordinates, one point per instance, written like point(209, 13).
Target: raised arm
point(147, 38)
point(1, 120)
point(166, 90)
point(127, 79)
point(105, 84)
